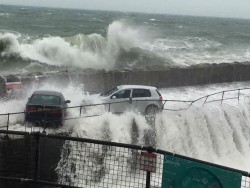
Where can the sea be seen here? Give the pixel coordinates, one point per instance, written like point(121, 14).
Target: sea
point(36, 39)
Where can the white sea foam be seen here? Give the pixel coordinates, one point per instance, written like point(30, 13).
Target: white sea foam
point(80, 51)
point(102, 52)
point(195, 50)
point(3, 14)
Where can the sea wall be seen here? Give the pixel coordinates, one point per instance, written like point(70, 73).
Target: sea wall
point(2, 86)
point(96, 81)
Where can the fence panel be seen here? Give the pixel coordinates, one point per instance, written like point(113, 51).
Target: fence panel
point(98, 165)
point(29, 160)
point(17, 156)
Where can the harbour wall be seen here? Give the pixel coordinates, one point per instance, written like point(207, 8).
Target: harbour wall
point(97, 81)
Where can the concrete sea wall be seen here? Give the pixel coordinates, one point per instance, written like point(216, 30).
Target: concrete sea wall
point(97, 81)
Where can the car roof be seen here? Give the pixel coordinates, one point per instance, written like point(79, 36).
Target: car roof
point(47, 92)
point(135, 87)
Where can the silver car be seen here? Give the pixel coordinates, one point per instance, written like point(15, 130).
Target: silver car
point(144, 99)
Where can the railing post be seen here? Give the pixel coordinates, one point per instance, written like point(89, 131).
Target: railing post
point(222, 97)
point(164, 105)
point(44, 122)
point(150, 149)
point(8, 120)
point(238, 95)
point(148, 180)
point(109, 107)
point(80, 111)
point(205, 101)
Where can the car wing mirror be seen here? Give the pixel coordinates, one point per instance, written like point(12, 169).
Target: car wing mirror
point(67, 101)
point(113, 97)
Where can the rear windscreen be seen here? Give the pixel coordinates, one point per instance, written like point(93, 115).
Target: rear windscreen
point(45, 100)
point(12, 79)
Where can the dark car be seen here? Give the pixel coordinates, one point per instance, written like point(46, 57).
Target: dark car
point(46, 107)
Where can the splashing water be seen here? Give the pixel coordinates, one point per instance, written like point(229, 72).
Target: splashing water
point(215, 132)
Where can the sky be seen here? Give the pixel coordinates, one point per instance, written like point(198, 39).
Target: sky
point(214, 8)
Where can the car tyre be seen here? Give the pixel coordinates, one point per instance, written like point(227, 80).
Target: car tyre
point(151, 110)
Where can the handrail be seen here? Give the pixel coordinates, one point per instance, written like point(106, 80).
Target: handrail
point(97, 104)
point(164, 102)
point(206, 96)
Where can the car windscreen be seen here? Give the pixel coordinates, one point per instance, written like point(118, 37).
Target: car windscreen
point(45, 100)
point(109, 92)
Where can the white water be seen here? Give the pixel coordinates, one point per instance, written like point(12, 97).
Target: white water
point(216, 132)
point(80, 51)
point(102, 52)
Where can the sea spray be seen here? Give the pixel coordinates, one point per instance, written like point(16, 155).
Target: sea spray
point(214, 132)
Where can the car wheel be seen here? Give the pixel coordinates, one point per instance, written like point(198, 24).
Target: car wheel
point(151, 110)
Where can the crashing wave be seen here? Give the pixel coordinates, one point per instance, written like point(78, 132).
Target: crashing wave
point(80, 51)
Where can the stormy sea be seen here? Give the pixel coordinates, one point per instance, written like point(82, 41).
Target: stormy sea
point(46, 39)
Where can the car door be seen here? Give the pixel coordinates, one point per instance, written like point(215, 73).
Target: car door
point(140, 99)
point(120, 101)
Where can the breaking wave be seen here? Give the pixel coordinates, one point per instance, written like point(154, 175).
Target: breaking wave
point(123, 47)
point(80, 51)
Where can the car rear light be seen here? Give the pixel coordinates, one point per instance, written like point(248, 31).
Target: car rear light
point(30, 109)
point(56, 111)
point(161, 99)
point(13, 85)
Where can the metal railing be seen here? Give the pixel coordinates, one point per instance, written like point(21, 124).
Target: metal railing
point(35, 159)
point(108, 106)
point(222, 96)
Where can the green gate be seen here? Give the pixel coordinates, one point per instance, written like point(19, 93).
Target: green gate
point(183, 173)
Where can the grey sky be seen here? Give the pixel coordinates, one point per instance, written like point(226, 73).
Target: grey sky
point(220, 8)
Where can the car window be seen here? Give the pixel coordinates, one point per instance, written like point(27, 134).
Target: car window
point(141, 93)
point(123, 94)
point(109, 92)
point(45, 100)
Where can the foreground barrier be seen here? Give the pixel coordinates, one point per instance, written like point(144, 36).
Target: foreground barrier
point(38, 160)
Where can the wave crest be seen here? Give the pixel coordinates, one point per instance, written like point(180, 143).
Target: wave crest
point(8, 43)
point(79, 51)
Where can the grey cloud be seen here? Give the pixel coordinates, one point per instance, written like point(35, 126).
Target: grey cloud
point(221, 8)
